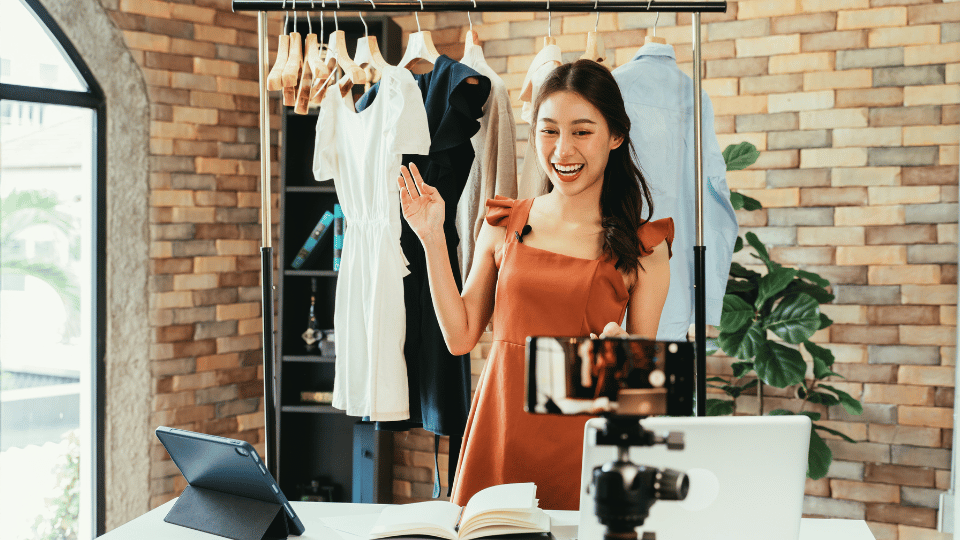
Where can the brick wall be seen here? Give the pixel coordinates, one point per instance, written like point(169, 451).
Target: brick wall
point(199, 61)
point(854, 106)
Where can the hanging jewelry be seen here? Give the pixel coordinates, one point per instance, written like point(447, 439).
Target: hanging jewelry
point(312, 334)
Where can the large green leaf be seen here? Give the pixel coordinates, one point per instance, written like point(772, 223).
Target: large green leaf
point(780, 412)
point(817, 292)
point(738, 285)
point(736, 313)
point(738, 271)
point(822, 360)
point(824, 320)
point(813, 277)
point(738, 245)
point(740, 369)
point(814, 416)
point(834, 432)
point(719, 407)
point(779, 366)
point(740, 156)
point(741, 201)
point(744, 343)
point(750, 204)
point(712, 346)
point(819, 457)
point(823, 398)
point(850, 403)
point(773, 283)
point(795, 318)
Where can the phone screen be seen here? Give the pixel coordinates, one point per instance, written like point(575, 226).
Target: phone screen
point(625, 376)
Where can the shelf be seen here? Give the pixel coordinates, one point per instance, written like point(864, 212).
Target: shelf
point(311, 273)
point(315, 409)
point(311, 189)
point(315, 358)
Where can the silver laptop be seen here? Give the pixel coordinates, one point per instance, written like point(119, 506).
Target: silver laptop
point(747, 477)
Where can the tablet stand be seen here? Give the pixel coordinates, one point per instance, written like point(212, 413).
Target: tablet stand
point(232, 516)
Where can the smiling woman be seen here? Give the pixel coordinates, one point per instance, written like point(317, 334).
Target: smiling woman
point(567, 263)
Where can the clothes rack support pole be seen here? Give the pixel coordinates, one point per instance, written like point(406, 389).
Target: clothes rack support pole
point(502, 6)
point(699, 250)
point(270, 411)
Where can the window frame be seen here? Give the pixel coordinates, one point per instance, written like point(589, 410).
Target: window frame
point(94, 99)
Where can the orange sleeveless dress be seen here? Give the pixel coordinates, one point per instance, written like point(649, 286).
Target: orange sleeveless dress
point(539, 293)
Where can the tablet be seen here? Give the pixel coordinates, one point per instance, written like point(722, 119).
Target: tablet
point(227, 466)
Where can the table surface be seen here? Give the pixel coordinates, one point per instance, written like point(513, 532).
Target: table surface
point(151, 525)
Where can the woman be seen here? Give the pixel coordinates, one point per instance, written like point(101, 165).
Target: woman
point(572, 262)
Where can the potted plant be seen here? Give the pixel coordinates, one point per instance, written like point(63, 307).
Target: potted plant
point(780, 303)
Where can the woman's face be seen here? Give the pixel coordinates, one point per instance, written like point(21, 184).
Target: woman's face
point(573, 142)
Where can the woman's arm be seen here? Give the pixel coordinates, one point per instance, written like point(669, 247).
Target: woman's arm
point(649, 293)
point(463, 317)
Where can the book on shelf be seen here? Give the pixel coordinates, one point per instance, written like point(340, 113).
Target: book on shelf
point(338, 229)
point(320, 398)
point(497, 510)
point(318, 233)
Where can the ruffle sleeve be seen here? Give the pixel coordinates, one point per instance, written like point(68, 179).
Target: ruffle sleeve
point(652, 233)
point(499, 209)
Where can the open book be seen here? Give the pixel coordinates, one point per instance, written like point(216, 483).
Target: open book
point(504, 509)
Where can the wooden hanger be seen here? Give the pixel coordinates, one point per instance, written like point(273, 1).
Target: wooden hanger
point(274, 80)
point(368, 56)
point(549, 39)
point(311, 58)
point(653, 38)
point(419, 46)
point(594, 49)
point(337, 54)
point(291, 71)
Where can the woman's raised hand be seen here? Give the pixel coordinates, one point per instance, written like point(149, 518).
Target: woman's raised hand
point(422, 206)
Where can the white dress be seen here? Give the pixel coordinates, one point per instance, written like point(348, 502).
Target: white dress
point(361, 152)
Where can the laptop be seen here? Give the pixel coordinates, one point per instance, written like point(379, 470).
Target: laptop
point(747, 477)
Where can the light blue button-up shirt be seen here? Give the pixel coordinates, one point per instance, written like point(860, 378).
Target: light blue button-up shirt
point(659, 100)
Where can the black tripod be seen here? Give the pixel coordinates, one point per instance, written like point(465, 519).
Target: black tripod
point(625, 491)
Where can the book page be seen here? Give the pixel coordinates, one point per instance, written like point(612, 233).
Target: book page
point(508, 497)
point(432, 518)
point(504, 509)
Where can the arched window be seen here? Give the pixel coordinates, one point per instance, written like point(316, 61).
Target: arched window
point(52, 253)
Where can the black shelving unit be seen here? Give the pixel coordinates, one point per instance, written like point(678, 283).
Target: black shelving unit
point(319, 442)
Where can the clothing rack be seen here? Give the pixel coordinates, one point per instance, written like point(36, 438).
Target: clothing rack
point(262, 7)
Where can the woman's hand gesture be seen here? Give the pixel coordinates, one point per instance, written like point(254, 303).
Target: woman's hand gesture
point(422, 206)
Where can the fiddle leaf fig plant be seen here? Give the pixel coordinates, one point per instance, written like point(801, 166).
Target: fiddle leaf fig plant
point(767, 320)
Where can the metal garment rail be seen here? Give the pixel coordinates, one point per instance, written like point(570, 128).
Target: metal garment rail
point(270, 393)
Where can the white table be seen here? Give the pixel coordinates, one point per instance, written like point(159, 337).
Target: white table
point(151, 526)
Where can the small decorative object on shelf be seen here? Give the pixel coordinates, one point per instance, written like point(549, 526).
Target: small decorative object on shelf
point(312, 334)
point(320, 398)
point(338, 229)
point(318, 232)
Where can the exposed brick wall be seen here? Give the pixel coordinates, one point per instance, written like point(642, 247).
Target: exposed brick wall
point(854, 106)
point(200, 63)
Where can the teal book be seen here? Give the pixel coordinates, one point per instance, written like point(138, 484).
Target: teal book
point(338, 229)
point(318, 233)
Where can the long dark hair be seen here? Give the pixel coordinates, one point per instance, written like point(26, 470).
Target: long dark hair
point(625, 202)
